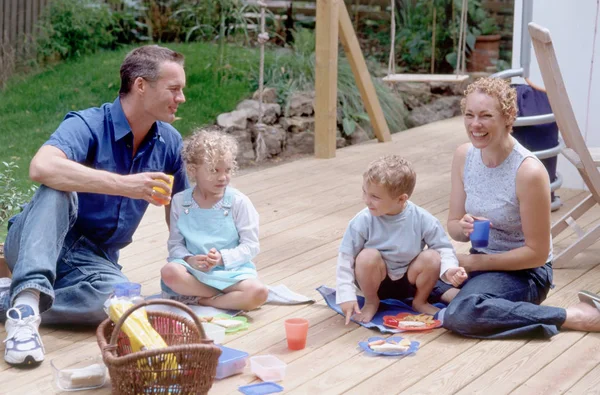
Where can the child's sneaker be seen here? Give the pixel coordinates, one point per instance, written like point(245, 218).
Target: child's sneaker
point(23, 343)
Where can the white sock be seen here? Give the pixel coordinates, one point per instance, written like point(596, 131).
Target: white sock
point(29, 297)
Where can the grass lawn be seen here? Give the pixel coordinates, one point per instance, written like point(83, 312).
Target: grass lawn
point(34, 105)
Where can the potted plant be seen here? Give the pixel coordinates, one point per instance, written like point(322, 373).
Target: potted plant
point(486, 48)
point(11, 197)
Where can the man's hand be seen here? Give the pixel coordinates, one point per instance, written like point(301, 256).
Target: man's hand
point(349, 309)
point(456, 276)
point(198, 262)
point(214, 258)
point(140, 186)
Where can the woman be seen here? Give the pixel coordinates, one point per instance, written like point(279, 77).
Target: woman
point(496, 178)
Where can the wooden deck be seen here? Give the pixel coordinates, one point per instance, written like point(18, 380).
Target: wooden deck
point(305, 207)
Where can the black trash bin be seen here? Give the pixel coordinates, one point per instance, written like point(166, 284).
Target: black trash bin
point(536, 137)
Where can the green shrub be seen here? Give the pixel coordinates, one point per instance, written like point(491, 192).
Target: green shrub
point(11, 197)
point(71, 28)
point(293, 72)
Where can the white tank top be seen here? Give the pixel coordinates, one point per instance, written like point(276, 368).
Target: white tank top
point(492, 193)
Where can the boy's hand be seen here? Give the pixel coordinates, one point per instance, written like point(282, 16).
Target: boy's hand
point(198, 262)
point(214, 258)
point(456, 275)
point(349, 309)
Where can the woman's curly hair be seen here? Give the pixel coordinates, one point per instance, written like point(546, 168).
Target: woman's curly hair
point(500, 90)
point(208, 147)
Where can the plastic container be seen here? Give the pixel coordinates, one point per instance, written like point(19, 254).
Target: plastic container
point(267, 387)
point(214, 332)
point(72, 373)
point(231, 362)
point(127, 290)
point(268, 367)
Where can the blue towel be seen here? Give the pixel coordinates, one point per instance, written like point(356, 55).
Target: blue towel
point(386, 307)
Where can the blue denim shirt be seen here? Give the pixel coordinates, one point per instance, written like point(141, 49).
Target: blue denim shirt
point(101, 138)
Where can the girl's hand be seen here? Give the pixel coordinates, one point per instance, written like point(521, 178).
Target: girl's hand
point(198, 262)
point(466, 223)
point(214, 258)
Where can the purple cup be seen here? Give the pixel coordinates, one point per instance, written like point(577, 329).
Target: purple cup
point(481, 233)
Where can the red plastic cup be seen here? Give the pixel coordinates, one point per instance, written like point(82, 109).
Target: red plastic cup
point(296, 330)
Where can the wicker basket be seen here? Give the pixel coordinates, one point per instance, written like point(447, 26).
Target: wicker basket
point(143, 372)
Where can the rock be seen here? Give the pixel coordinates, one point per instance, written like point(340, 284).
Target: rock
point(301, 103)
point(274, 138)
point(300, 143)
point(414, 94)
point(270, 111)
point(269, 95)
point(442, 108)
point(233, 120)
point(246, 153)
point(340, 142)
point(450, 88)
point(359, 135)
point(297, 124)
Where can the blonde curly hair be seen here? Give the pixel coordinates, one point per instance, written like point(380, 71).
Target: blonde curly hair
point(207, 147)
point(394, 173)
point(498, 89)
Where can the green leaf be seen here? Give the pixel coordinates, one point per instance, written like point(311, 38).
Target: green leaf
point(349, 126)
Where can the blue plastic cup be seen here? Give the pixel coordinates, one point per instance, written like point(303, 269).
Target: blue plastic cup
point(481, 233)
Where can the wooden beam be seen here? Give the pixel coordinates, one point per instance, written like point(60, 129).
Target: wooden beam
point(361, 75)
point(326, 59)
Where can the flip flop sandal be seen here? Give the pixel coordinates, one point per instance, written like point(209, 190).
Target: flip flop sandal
point(590, 298)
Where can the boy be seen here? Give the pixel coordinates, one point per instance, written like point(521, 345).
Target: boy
point(382, 249)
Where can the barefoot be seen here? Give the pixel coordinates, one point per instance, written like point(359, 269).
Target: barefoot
point(367, 312)
point(449, 295)
point(425, 308)
point(583, 317)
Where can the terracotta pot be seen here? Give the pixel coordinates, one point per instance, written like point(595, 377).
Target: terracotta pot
point(486, 53)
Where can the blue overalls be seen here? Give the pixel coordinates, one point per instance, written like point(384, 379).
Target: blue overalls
point(204, 229)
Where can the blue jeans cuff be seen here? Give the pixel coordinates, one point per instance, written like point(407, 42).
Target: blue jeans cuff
point(46, 294)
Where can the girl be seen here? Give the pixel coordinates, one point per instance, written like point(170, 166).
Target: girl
point(214, 231)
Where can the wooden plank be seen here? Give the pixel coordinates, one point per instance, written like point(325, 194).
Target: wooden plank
point(561, 105)
point(362, 76)
point(326, 64)
point(13, 21)
point(561, 374)
point(393, 78)
point(29, 21)
point(589, 384)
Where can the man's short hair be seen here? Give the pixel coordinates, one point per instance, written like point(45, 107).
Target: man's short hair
point(145, 62)
point(394, 173)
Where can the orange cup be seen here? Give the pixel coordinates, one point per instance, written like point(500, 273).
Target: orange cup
point(296, 330)
point(160, 190)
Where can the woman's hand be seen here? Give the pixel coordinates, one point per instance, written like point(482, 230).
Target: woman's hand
point(466, 223)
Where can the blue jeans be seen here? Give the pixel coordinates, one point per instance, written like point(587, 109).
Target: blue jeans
point(503, 304)
point(44, 252)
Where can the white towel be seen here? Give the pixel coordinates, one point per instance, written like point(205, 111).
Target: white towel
point(280, 294)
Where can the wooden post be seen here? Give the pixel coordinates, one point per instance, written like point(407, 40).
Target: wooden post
point(361, 74)
point(326, 59)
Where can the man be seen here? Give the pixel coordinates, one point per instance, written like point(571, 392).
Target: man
point(97, 173)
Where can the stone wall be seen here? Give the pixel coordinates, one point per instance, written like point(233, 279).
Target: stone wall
point(289, 131)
